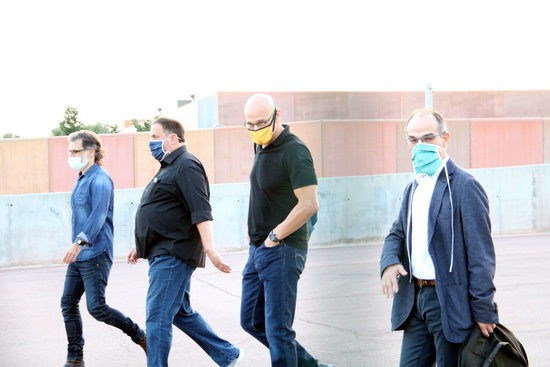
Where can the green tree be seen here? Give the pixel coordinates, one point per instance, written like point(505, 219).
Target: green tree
point(10, 136)
point(70, 123)
point(143, 125)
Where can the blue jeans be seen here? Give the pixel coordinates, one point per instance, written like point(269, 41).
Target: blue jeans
point(168, 303)
point(270, 282)
point(91, 276)
point(423, 339)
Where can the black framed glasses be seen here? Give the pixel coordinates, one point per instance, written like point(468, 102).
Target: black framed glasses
point(427, 138)
point(261, 124)
point(75, 151)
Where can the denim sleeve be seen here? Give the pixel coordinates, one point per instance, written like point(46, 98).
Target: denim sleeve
point(193, 186)
point(101, 192)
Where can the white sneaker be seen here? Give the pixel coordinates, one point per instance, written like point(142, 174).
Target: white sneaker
point(236, 361)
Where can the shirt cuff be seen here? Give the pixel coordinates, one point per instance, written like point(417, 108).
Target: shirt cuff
point(200, 216)
point(83, 236)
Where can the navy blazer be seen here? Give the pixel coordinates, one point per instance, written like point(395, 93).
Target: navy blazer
point(464, 276)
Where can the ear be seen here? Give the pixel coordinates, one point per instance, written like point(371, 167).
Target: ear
point(91, 154)
point(446, 138)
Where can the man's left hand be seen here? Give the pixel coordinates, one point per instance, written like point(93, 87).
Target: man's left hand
point(72, 254)
point(217, 260)
point(269, 243)
point(486, 329)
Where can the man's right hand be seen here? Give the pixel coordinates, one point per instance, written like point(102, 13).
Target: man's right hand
point(132, 256)
point(389, 279)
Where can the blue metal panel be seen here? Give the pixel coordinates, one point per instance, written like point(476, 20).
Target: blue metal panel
point(208, 112)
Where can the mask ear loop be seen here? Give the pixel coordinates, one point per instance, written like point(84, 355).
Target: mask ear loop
point(452, 220)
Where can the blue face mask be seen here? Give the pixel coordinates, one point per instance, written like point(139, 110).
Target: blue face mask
point(426, 158)
point(156, 149)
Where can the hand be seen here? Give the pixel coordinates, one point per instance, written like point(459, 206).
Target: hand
point(72, 254)
point(132, 256)
point(389, 279)
point(486, 329)
point(269, 243)
point(217, 260)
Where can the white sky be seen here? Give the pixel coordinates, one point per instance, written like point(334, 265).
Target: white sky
point(117, 60)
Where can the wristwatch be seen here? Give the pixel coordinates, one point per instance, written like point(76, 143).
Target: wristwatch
point(273, 237)
point(80, 242)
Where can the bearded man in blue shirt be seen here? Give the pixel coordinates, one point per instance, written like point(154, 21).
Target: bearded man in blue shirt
point(90, 256)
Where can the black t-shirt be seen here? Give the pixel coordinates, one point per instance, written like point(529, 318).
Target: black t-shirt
point(282, 167)
point(175, 200)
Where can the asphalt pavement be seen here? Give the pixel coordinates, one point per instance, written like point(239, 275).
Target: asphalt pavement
point(342, 317)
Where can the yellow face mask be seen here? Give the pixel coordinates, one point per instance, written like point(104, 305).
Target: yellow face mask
point(264, 134)
point(261, 136)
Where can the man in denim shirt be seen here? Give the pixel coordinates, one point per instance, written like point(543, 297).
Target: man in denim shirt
point(90, 256)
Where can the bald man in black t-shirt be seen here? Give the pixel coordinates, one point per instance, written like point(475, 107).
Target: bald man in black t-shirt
point(283, 196)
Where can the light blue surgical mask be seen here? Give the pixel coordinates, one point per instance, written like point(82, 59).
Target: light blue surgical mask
point(426, 158)
point(157, 150)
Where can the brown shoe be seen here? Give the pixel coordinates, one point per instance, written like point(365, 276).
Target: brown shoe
point(143, 343)
point(74, 363)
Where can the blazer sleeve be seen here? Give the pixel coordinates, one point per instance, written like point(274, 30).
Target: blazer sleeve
point(480, 251)
point(395, 242)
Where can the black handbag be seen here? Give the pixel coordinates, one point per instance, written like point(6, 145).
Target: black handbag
point(500, 349)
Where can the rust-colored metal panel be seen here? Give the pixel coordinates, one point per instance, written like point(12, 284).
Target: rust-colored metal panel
point(311, 135)
point(231, 106)
point(119, 159)
point(23, 166)
point(347, 105)
point(234, 154)
point(526, 104)
point(62, 177)
point(546, 141)
point(410, 101)
point(355, 148)
point(403, 155)
point(145, 166)
point(506, 142)
point(468, 104)
point(201, 144)
point(459, 143)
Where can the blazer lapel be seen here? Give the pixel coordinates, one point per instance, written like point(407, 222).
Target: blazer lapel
point(437, 198)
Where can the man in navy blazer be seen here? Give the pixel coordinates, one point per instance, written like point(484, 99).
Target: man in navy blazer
point(438, 259)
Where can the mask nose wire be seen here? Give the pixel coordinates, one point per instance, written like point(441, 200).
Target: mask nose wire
point(452, 220)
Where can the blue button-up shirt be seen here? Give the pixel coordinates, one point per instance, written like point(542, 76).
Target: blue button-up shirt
point(92, 203)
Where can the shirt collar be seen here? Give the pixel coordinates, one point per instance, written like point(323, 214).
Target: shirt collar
point(89, 172)
point(421, 176)
point(170, 158)
point(281, 138)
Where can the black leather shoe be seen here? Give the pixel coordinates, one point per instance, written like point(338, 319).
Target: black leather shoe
point(74, 363)
point(143, 343)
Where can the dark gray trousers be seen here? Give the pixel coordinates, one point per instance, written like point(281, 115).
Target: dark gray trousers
point(423, 341)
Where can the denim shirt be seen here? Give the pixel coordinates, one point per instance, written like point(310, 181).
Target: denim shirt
point(92, 220)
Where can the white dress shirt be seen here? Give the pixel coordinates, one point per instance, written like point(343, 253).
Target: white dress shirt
point(421, 261)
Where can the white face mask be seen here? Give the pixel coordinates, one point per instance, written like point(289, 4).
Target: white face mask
point(77, 163)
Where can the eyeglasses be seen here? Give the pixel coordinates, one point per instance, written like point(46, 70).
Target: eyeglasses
point(428, 138)
point(75, 151)
point(261, 124)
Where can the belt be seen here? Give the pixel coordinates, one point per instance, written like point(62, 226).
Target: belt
point(425, 283)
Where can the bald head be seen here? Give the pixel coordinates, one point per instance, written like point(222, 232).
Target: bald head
point(427, 119)
point(259, 101)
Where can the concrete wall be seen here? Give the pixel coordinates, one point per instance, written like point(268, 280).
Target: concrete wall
point(35, 229)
